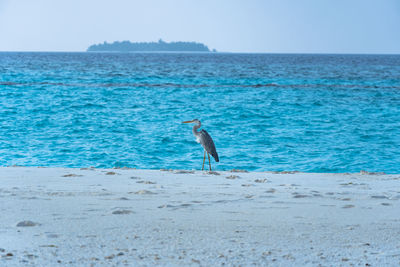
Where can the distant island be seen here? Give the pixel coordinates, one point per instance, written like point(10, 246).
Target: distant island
point(160, 46)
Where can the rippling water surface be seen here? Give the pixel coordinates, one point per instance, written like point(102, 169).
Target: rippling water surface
point(313, 113)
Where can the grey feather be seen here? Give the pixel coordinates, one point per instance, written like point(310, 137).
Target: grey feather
point(208, 144)
point(204, 139)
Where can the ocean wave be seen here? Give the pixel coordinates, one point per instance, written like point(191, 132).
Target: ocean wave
point(179, 85)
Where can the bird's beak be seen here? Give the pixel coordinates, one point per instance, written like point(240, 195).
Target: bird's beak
point(187, 121)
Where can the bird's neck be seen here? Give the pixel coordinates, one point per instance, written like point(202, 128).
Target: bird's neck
point(195, 128)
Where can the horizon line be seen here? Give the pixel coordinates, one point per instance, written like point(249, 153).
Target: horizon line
point(197, 52)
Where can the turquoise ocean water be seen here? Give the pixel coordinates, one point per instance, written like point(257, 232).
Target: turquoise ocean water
point(265, 112)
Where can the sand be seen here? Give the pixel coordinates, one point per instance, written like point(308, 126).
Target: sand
point(127, 217)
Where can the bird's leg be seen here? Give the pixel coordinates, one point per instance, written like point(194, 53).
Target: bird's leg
point(204, 159)
point(209, 161)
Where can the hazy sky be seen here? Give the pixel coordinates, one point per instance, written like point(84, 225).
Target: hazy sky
point(308, 26)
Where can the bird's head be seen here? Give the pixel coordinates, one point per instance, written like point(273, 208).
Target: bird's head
point(193, 121)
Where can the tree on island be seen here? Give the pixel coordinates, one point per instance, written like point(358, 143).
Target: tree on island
point(127, 46)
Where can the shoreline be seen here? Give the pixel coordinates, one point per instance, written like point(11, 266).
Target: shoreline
point(122, 216)
point(361, 172)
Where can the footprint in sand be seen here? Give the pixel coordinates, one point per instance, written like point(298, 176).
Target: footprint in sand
point(27, 224)
point(297, 195)
point(236, 170)
point(143, 192)
point(112, 173)
point(123, 198)
point(165, 206)
point(72, 175)
point(379, 197)
point(183, 172)
point(145, 182)
point(52, 236)
point(271, 190)
point(120, 212)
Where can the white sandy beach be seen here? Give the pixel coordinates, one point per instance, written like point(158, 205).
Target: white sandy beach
point(127, 217)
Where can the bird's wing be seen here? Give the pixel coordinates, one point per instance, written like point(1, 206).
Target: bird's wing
point(208, 144)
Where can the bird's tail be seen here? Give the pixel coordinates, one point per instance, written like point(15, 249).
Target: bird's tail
point(216, 156)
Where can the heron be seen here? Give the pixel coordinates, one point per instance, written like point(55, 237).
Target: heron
point(205, 140)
